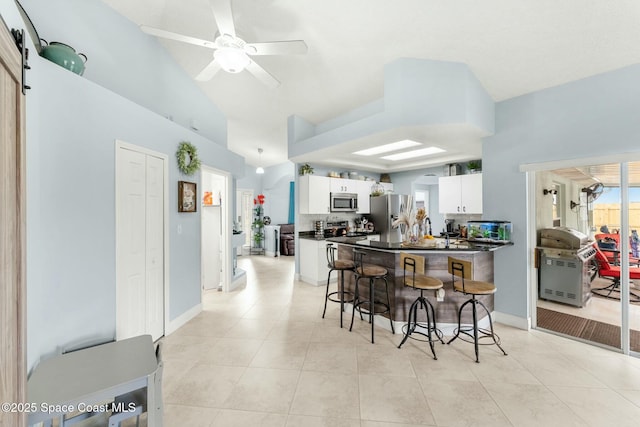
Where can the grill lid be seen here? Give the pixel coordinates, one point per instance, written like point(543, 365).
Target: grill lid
point(562, 238)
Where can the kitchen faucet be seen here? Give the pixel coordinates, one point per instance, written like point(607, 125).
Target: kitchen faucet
point(429, 229)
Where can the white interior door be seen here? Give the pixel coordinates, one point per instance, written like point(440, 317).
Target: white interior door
point(140, 244)
point(130, 289)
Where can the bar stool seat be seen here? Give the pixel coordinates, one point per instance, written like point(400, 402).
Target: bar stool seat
point(414, 277)
point(464, 270)
point(337, 265)
point(368, 306)
point(366, 271)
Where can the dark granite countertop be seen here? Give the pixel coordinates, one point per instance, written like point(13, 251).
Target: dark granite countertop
point(310, 235)
point(455, 245)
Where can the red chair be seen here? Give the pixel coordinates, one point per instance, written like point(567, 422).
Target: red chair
point(612, 272)
point(613, 257)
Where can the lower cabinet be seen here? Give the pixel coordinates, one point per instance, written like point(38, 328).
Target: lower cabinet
point(313, 262)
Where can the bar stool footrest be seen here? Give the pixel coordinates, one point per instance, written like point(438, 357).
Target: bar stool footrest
point(346, 294)
point(367, 311)
point(438, 333)
point(466, 334)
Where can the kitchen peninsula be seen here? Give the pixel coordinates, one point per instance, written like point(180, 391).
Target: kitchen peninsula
point(387, 255)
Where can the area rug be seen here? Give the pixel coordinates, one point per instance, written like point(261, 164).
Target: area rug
point(587, 329)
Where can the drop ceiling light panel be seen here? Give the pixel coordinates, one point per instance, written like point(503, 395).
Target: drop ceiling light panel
point(414, 153)
point(386, 148)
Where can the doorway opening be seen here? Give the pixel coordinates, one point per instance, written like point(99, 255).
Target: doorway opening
point(215, 230)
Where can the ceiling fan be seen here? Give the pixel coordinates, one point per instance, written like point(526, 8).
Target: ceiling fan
point(230, 52)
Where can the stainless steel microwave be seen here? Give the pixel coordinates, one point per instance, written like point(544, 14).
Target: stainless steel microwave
point(344, 202)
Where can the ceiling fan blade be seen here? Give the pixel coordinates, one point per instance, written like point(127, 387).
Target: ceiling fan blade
point(290, 47)
point(178, 37)
point(224, 16)
point(262, 75)
point(209, 71)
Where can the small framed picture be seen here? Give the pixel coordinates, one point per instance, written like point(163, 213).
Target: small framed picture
point(187, 196)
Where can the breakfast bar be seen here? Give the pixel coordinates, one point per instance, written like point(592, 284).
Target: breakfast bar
point(387, 255)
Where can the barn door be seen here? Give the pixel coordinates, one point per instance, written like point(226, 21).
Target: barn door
point(12, 231)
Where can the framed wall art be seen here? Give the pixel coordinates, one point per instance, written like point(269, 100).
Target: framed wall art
point(187, 196)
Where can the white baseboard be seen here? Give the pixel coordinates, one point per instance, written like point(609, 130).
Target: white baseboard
point(179, 321)
point(511, 320)
point(239, 280)
point(312, 281)
point(271, 253)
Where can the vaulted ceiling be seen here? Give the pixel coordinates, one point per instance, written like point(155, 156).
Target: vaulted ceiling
point(514, 47)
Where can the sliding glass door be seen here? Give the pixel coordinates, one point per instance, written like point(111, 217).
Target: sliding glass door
point(601, 201)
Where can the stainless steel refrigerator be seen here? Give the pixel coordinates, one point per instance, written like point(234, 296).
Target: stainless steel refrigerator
point(385, 210)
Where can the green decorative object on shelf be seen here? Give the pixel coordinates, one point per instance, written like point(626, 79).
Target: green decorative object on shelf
point(65, 56)
point(474, 166)
point(187, 155)
point(306, 169)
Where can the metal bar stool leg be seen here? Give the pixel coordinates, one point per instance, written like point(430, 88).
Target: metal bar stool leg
point(386, 288)
point(475, 327)
point(493, 335)
point(341, 284)
point(425, 304)
point(371, 306)
point(412, 314)
point(459, 322)
point(326, 295)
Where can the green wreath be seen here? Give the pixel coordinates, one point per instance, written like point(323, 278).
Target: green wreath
point(187, 151)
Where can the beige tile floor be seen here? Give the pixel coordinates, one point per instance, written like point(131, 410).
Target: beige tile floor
point(263, 356)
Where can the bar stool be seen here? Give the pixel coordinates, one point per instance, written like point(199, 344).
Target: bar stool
point(341, 266)
point(464, 270)
point(417, 280)
point(373, 273)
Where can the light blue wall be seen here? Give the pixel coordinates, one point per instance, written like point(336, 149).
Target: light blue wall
point(275, 187)
point(123, 59)
point(274, 184)
point(250, 180)
point(586, 118)
point(72, 124)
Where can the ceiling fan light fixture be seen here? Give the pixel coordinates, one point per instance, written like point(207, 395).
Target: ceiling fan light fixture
point(231, 59)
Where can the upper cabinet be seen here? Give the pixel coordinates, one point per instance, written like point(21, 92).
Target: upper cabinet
point(363, 191)
point(341, 185)
point(314, 194)
point(460, 194)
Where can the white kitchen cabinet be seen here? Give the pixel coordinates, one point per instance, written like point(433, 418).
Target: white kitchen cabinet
point(341, 185)
point(460, 194)
point(364, 191)
point(313, 261)
point(314, 194)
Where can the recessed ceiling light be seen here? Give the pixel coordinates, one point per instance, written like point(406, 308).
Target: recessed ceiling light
point(406, 143)
point(415, 153)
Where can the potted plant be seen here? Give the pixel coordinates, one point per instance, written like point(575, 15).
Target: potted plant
point(474, 166)
point(258, 234)
point(306, 169)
